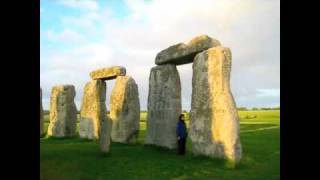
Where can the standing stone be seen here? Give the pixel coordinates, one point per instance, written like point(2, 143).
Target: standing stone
point(93, 109)
point(125, 110)
point(164, 106)
point(214, 121)
point(105, 135)
point(63, 112)
point(41, 115)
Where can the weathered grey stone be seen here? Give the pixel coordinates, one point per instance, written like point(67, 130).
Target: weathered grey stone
point(164, 106)
point(184, 53)
point(93, 109)
point(125, 110)
point(63, 112)
point(108, 73)
point(214, 121)
point(41, 115)
point(105, 134)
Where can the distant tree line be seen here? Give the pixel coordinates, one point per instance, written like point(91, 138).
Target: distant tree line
point(45, 112)
point(242, 109)
point(258, 109)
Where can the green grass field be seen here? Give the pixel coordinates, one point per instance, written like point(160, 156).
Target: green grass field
point(78, 159)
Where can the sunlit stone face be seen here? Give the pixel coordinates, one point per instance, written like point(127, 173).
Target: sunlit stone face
point(93, 109)
point(63, 112)
point(214, 123)
point(108, 73)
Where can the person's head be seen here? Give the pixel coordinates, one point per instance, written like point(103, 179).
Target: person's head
point(181, 117)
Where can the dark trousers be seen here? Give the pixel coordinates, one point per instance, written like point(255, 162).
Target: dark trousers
point(182, 146)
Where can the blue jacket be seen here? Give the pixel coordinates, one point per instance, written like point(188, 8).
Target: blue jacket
point(181, 129)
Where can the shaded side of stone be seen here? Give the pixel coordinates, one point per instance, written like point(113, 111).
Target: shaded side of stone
point(105, 136)
point(164, 106)
point(125, 110)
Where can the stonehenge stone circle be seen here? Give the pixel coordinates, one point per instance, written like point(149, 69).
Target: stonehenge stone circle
point(41, 115)
point(214, 121)
point(93, 109)
point(125, 110)
point(164, 106)
point(108, 73)
point(184, 53)
point(63, 112)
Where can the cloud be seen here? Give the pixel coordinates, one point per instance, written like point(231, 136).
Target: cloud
point(249, 27)
point(90, 5)
point(268, 92)
point(256, 98)
point(66, 36)
point(86, 21)
point(81, 60)
point(74, 66)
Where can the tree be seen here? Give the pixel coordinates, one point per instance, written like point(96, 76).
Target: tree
point(242, 108)
point(276, 108)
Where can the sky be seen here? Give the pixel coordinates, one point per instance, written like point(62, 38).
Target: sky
point(79, 36)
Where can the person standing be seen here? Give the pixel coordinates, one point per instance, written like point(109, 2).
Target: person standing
point(182, 135)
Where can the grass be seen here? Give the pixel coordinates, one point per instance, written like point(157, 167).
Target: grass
point(78, 159)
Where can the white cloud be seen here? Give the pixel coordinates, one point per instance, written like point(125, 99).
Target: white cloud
point(81, 60)
point(268, 92)
point(90, 5)
point(86, 21)
point(66, 35)
point(249, 27)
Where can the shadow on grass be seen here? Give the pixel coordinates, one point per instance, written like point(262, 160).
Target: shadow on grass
point(220, 163)
point(44, 135)
point(104, 155)
point(159, 149)
point(62, 140)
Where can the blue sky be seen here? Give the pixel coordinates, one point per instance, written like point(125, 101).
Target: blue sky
point(54, 12)
point(78, 36)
